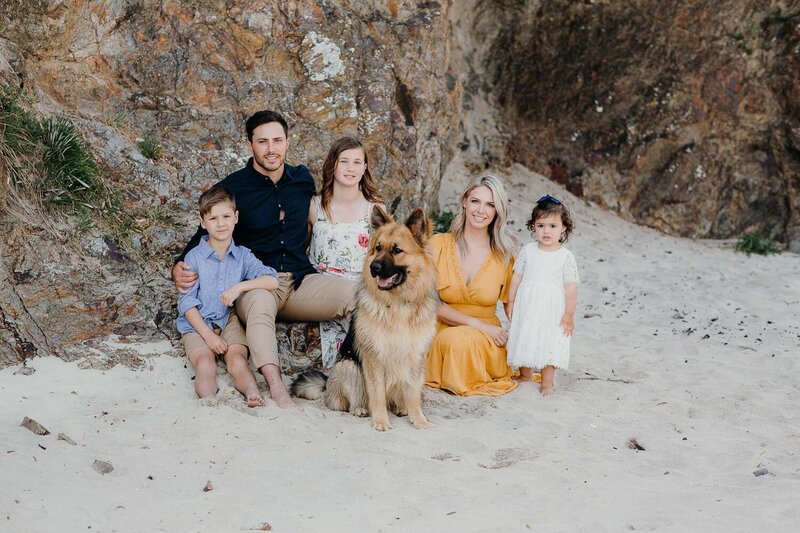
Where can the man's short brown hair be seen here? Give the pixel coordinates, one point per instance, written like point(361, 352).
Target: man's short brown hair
point(213, 196)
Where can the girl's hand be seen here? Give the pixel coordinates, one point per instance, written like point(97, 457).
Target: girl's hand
point(216, 343)
point(230, 295)
point(568, 324)
point(498, 335)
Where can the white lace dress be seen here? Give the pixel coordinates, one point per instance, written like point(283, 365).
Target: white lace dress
point(536, 339)
point(337, 248)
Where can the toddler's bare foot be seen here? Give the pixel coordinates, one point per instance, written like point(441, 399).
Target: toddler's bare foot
point(525, 374)
point(546, 389)
point(424, 396)
point(209, 401)
point(255, 399)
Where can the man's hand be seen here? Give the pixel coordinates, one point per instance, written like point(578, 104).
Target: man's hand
point(183, 277)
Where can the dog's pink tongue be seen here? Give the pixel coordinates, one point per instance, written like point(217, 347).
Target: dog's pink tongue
point(385, 282)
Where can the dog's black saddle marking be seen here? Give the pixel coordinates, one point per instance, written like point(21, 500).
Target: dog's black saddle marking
point(348, 348)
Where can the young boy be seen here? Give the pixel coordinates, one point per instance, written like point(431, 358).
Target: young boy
point(224, 271)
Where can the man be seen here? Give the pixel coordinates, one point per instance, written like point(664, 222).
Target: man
point(273, 199)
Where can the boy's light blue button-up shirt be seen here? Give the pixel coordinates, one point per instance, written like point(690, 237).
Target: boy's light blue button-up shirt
point(213, 278)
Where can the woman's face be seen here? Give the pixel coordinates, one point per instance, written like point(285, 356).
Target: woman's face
point(350, 167)
point(479, 207)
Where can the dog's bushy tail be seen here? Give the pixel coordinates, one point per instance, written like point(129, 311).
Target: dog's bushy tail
point(309, 385)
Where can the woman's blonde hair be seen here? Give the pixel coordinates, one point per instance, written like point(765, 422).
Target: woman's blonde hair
point(501, 240)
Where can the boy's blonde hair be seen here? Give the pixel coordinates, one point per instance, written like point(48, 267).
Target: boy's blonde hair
point(213, 196)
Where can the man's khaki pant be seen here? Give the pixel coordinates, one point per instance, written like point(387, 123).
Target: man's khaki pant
point(320, 297)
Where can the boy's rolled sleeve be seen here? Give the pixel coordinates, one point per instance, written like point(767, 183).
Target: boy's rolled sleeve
point(190, 299)
point(254, 268)
point(187, 301)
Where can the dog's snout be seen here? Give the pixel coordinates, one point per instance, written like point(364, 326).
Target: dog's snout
point(375, 268)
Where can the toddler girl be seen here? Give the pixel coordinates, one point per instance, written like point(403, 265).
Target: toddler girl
point(542, 295)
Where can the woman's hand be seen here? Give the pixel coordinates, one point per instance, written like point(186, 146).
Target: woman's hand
point(498, 335)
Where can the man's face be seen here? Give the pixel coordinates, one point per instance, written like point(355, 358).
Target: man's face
point(269, 146)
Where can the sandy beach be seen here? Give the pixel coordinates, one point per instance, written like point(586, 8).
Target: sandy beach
point(685, 347)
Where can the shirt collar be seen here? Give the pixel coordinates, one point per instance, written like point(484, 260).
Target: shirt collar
point(207, 251)
point(288, 171)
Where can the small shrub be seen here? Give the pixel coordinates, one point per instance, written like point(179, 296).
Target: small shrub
point(777, 16)
point(755, 243)
point(443, 221)
point(150, 146)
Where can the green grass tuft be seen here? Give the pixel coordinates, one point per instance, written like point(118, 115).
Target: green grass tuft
point(150, 146)
point(69, 173)
point(755, 243)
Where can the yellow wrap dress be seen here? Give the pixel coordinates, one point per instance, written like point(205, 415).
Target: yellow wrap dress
point(462, 359)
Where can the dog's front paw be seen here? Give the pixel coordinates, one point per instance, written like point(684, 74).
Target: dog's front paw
point(421, 423)
point(381, 424)
point(360, 411)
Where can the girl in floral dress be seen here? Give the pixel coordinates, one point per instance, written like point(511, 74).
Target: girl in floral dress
point(340, 219)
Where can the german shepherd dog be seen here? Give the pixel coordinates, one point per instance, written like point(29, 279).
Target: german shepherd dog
point(381, 361)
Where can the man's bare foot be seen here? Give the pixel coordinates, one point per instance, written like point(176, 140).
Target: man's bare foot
point(277, 389)
point(282, 398)
point(254, 399)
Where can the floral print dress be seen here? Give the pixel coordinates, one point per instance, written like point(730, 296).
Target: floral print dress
point(337, 248)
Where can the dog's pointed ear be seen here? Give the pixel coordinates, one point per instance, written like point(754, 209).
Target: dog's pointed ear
point(378, 218)
point(419, 225)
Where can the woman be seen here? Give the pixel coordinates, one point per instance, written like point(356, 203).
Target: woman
point(474, 267)
point(340, 219)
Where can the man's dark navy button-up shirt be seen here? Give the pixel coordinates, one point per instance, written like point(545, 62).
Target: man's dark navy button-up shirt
point(278, 242)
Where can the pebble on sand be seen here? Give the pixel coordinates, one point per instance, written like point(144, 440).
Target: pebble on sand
point(65, 438)
point(761, 472)
point(208, 487)
point(102, 467)
point(34, 426)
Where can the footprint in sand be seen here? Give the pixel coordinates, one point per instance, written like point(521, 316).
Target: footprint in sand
point(505, 457)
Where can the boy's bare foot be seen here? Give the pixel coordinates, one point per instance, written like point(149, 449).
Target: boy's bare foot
point(209, 401)
point(254, 399)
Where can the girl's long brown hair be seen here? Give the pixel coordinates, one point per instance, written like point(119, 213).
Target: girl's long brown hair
point(366, 185)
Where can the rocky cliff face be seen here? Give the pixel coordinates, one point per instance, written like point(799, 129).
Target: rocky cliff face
point(188, 74)
point(684, 116)
point(679, 115)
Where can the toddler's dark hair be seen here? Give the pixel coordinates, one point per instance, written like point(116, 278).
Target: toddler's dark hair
point(548, 205)
point(213, 196)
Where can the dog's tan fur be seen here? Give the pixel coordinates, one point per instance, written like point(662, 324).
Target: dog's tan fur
point(392, 329)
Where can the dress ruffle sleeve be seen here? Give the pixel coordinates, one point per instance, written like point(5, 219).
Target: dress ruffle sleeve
point(509, 273)
point(570, 270)
point(442, 260)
